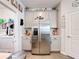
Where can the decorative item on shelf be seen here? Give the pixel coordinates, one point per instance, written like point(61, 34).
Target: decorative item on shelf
point(4, 26)
point(28, 32)
point(11, 21)
point(21, 22)
point(10, 27)
point(13, 2)
point(39, 17)
point(3, 23)
point(7, 31)
point(20, 8)
point(16, 4)
point(55, 31)
point(2, 20)
point(7, 25)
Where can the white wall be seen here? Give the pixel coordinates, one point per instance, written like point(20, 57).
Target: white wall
point(19, 31)
point(8, 14)
point(61, 29)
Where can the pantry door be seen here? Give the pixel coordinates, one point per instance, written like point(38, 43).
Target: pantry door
point(72, 34)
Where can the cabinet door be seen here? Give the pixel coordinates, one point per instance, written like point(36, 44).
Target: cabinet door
point(26, 44)
point(55, 44)
point(29, 18)
point(6, 44)
point(53, 19)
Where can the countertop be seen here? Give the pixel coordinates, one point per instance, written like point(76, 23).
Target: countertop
point(6, 36)
point(4, 55)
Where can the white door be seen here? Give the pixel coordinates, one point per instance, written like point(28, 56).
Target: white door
point(68, 34)
point(72, 34)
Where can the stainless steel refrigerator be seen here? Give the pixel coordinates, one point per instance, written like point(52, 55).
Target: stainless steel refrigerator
point(41, 39)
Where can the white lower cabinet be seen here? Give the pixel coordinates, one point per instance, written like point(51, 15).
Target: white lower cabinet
point(6, 44)
point(55, 44)
point(26, 44)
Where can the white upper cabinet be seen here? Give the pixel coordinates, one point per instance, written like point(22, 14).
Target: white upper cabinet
point(53, 19)
point(28, 17)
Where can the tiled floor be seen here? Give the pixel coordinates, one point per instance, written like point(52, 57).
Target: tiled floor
point(52, 56)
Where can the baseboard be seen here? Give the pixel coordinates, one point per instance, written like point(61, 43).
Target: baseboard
point(28, 50)
point(41, 54)
point(71, 57)
point(66, 54)
point(63, 53)
point(54, 51)
point(19, 55)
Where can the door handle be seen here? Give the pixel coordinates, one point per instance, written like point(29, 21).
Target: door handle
point(68, 36)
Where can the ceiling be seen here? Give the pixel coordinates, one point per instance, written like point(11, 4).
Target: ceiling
point(40, 3)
